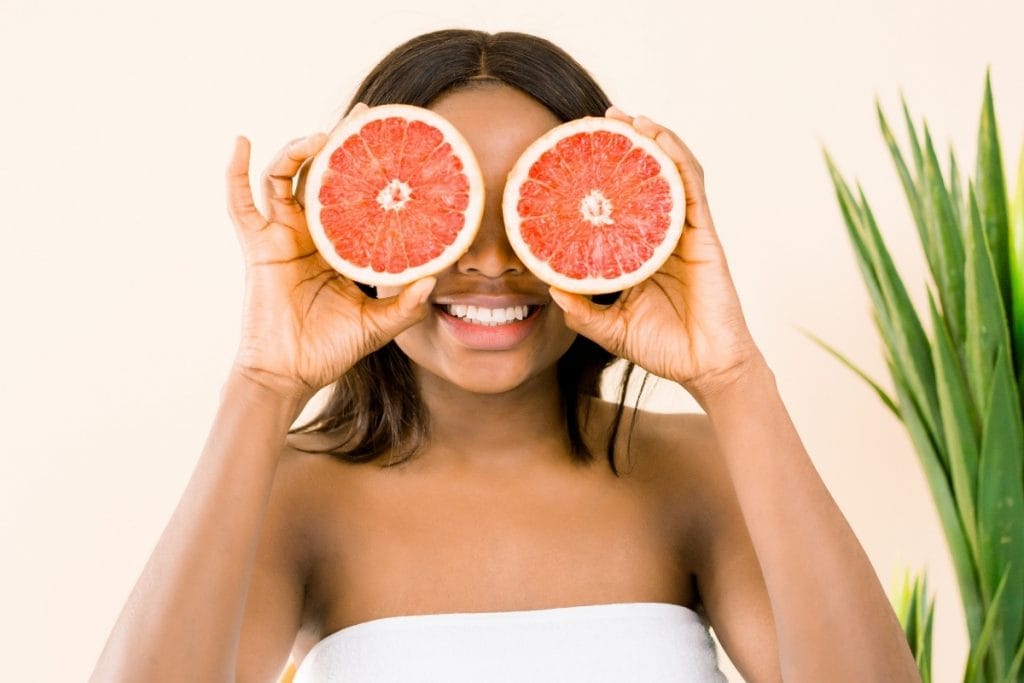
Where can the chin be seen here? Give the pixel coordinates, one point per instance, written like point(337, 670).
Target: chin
point(490, 378)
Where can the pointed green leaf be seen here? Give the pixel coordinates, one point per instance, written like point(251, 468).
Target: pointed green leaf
point(956, 194)
point(938, 482)
point(1001, 502)
point(1015, 665)
point(915, 146)
point(864, 256)
point(980, 648)
point(851, 218)
point(947, 269)
point(960, 431)
point(985, 317)
point(901, 602)
point(909, 185)
point(991, 190)
point(909, 344)
point(924, 656)
point(886, 399)
point(1017, 270)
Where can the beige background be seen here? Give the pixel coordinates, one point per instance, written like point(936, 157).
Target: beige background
point(122, 281)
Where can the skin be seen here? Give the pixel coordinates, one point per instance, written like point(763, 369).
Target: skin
point(272, 549)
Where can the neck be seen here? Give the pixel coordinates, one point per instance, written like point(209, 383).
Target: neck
point(523, 426)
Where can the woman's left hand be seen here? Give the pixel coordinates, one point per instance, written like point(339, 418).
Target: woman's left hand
point(684, 323)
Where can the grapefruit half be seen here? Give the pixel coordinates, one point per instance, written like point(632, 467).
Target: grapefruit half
point(394, 195)
point(593, 206)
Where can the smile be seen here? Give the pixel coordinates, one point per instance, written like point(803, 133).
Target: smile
point(479, 315)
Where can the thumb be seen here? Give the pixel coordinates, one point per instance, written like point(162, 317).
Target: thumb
point(394, 314)
point(586, 317)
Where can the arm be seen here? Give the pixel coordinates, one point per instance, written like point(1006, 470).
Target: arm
point(303, 327)
point(832, 619)
point(685, 323)
point(183, 617)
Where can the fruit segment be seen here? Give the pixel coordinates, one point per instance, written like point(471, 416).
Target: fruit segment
point(394, 195)
point(593, 206)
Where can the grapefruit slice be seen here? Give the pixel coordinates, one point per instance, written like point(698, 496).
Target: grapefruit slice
point(394, 195)
point(593, 206)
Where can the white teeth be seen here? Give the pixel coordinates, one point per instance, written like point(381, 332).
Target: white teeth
point(490, 317)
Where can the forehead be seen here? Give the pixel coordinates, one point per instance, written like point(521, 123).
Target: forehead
point(498, 121)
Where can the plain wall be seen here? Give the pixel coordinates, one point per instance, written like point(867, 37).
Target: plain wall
point(122, 279)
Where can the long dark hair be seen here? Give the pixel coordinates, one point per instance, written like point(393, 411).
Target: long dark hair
point(375, 407)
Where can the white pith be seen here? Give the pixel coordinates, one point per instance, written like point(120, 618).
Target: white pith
point(596, 209)
point(592, 285)
point(487, 316)
point(473, 212)
point(394, 195)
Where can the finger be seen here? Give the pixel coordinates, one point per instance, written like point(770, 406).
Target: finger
point(598, 323)
point(614, 112)
point(241, 208)
point(354, 111)
point(300, 182)
point(278, 193)
point(698, 213)
point(392, 315)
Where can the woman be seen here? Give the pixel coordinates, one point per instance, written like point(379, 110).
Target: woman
point(464, 528)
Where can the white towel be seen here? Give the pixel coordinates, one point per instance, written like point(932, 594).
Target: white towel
point(653, 642)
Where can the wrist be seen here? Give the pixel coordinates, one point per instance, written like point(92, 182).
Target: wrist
point(264, 385)
point(738, 379)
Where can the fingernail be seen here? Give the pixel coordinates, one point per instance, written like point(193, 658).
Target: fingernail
point(615, 110)
point(427, 289)
point(555, 296)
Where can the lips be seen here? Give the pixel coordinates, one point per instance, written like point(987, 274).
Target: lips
point(492, 327)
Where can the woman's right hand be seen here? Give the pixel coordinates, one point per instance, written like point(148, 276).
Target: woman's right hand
point(304, 324)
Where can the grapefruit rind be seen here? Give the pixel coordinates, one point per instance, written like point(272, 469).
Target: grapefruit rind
point(592, 285)
point(472, 214)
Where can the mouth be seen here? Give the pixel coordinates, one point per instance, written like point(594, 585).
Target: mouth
point(489, 317)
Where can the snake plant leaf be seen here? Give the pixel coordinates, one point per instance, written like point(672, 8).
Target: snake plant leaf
point(1001, 503)
point(909, 185)
point(851, 219)
point(864, 256)
point(956, 194)
point(907, 612)
point(916, 612)
point(985, 310)
point(947, 269)
point(975, 671)
point(1015, 665)
point(882, 394)
point(915, 146)
point(991, 190)
point(1017, 271)
point(938, 482)
point(909, 344)
point(959, 429)
point(923, 655)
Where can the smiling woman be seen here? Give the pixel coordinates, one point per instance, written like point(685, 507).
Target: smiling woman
point(444, 516)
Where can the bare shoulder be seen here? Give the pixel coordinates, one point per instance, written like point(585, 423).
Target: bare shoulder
point(674, 450)
point(281, 616)
point(694, 481)
point(675, 458)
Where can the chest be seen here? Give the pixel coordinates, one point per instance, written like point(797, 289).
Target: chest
point(397, 544)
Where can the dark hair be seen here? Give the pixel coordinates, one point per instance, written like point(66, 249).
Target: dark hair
point(376, 404)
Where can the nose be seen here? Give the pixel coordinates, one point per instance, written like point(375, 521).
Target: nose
point(490, 254)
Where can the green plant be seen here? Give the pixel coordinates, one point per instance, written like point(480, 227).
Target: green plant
point(960, 391)
point(916, 610)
